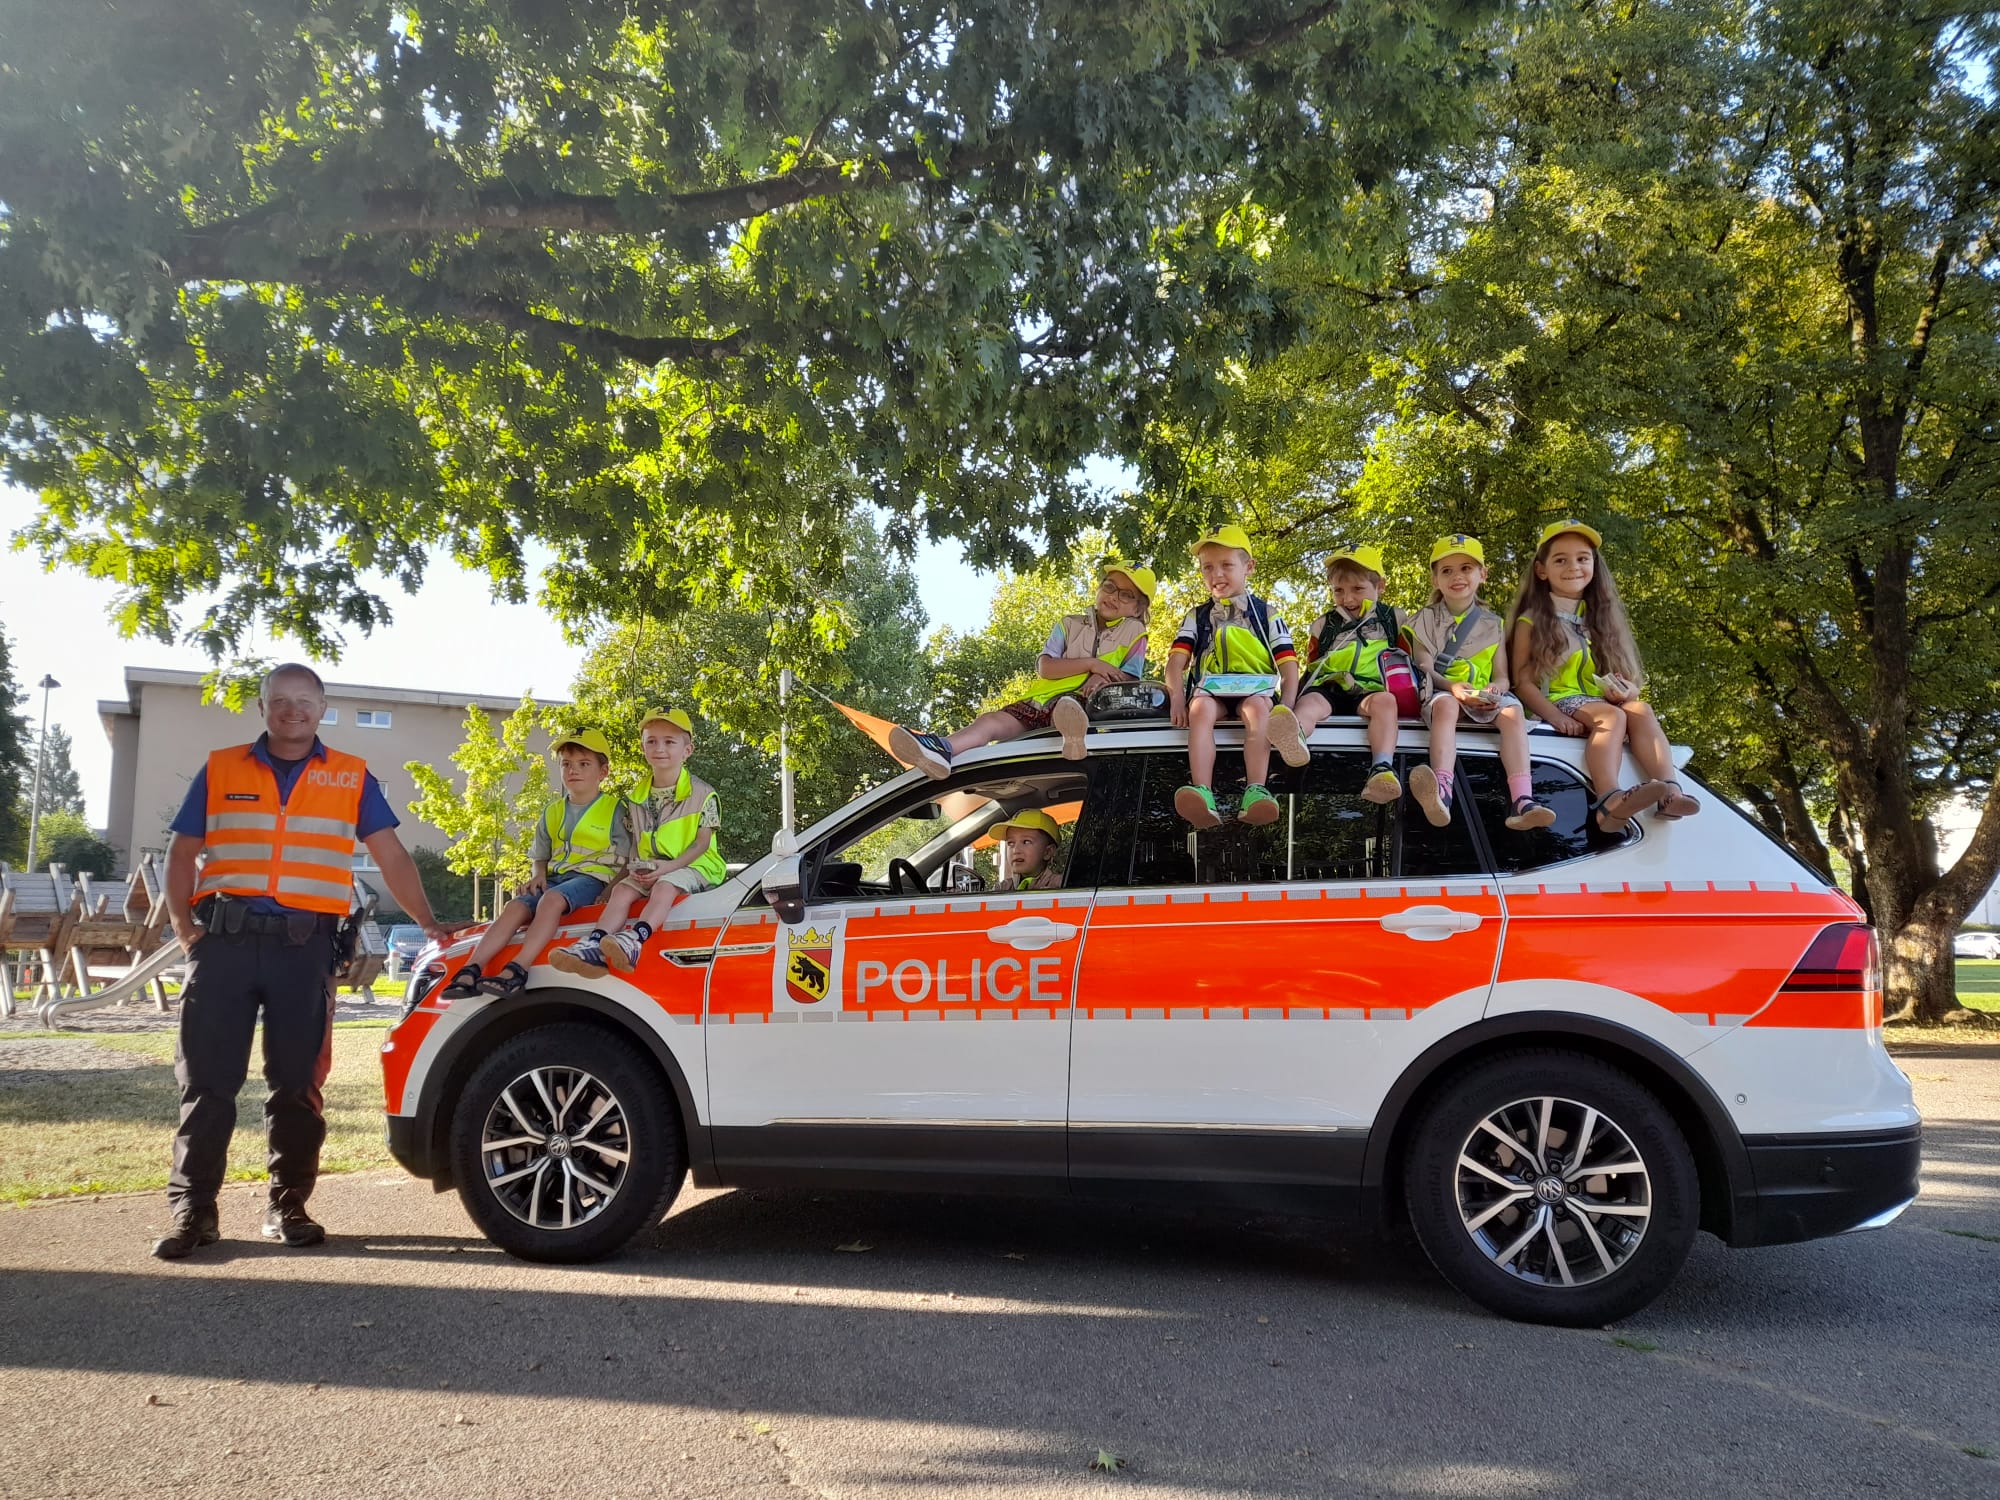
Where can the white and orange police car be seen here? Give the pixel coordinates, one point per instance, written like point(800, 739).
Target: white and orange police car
point(1557, 1054)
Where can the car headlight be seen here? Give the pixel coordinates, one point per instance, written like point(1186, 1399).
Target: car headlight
point(424, 977)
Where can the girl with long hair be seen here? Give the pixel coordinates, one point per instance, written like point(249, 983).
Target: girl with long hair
point(1576, 667)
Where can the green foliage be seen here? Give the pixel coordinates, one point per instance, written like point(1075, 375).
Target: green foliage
point(80, 854)
point(61, 788)
point(490, 816)
point(450, 891)
point(719, 663)
point(16, 764)
point(294, 298)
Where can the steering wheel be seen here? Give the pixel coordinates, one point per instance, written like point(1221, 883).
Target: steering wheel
point(898, 868)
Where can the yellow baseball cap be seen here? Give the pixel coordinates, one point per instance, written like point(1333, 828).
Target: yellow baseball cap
point(1033, 818)
point(1557, 528)
point(1141, 579)
point(1458, 541)
point(588, 739)
point(674, 716)
point(1367, 557)
point(1224, 536)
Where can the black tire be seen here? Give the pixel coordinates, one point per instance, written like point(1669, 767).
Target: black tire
point(1614, 1271)
point(573, 1064)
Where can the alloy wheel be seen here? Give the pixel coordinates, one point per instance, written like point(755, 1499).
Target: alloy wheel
point(555, 1147)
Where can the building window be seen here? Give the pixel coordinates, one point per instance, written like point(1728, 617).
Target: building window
point(331, 716)
point(363, 860)
point(372, 718)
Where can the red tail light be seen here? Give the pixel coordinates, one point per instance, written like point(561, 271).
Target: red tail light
point(1843, 959)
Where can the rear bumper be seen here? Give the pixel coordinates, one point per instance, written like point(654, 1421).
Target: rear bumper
point(1810, 1186)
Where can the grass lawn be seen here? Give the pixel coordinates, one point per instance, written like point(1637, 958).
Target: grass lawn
point(1979, 983)
point(92, 1130)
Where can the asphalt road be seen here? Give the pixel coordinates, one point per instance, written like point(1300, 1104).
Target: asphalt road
point(989, 1348)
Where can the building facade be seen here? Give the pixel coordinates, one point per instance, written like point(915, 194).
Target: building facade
point(163, 731)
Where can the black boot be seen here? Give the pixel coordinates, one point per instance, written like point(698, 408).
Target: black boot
point(288, 1221)
point(193, 1227)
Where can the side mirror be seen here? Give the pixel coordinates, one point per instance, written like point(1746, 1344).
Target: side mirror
point(784, 889)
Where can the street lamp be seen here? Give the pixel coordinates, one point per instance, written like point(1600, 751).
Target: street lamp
point(41, 759)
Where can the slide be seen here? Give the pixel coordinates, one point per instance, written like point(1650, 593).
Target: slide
point(134, 983)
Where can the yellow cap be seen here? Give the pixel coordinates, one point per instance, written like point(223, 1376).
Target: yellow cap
point(1033, 818)
point(1224, 536)
point(1557, 528)
point(674, 716)
point(1367, 557)
point(1445, 546)
point(588, 739)
point(1141, 579)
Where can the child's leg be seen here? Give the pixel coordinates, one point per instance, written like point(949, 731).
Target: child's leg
point(1255, 713)
point(1444, 735)
point(1203, 713)
point(662, 901)
point(1606, 747)
point(1648, 741)
point(984, 730)
point(549, 914)
point(510, 921)
point(1379, 709)
point(1312, 710)
point(1513, 726)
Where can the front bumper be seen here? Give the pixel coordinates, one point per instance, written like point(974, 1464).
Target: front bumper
point(407, 1145)
point(1811, 1186)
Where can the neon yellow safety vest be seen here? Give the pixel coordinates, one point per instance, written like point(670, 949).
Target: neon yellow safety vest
point(672, 836)
point(570, 854)
point(1111, 643)
point(1353, 657)
point(1577, 676)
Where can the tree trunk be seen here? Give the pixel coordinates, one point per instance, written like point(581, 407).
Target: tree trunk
point(1919, 974)
point(1918, 910)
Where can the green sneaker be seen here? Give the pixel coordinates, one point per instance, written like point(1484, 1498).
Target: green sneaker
point(1196, 804)
point(1258, 807)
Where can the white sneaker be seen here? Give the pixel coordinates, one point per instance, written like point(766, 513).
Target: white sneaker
point(1072, 723)
point(1286, 739)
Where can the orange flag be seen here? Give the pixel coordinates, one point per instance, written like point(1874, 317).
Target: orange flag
point(876, 729)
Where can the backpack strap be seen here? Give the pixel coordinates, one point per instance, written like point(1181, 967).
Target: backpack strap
point(1460, 629)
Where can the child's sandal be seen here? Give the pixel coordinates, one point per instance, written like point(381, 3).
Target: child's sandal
point(1631, 801)
point(509, 981)
point(464, 984)
point(1677, 805)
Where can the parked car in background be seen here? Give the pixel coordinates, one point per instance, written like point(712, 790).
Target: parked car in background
point(1976, 945)
point(406, 941)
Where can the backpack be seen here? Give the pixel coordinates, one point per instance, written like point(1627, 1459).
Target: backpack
point(1204, 633)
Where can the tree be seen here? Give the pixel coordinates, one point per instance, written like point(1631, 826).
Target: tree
point(450, 892)
point(865, 647)
point(61, 787)
point(293, 297)
point(491, 817)
point(15, 763)
point(1724, 276)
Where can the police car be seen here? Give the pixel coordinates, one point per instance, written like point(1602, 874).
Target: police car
point(1556, 1055)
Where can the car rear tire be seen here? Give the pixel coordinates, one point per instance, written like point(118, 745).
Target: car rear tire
point(566, 1145)
point(1527, 1222)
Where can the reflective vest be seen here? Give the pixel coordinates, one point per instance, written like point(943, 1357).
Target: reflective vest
point(570, 854)
point(673, 831)
point(1341, 649)
point(1233, 636)
point(300, 852)
point(1084, 635)
point(1577, 676)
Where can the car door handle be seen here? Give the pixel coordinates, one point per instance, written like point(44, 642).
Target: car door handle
point(1431, 924)
point(1031, 934)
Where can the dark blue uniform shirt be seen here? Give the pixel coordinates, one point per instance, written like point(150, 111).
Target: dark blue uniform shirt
point(375, 815)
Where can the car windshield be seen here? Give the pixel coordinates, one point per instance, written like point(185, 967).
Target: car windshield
point(406, 934)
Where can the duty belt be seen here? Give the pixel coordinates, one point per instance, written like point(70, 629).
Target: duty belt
point(228, 916)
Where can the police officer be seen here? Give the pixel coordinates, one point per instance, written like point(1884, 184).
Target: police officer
point(278, 821)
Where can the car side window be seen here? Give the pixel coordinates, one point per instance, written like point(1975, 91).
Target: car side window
point(1573, 835)
point(943, 834)
point(1324, 831)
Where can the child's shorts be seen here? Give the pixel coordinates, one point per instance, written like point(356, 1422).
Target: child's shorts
point(1032, 715)
point(1575, 701)
point(575, 889)
point(686, 879)
point(1470, 714)
point(1232, 706)
point(1338, 699)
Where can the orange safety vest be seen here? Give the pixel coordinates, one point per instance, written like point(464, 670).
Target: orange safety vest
point(299, 853)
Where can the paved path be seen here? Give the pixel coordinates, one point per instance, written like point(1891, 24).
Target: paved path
point(989, 1348)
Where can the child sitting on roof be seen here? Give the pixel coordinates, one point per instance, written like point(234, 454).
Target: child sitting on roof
point(1082, 654)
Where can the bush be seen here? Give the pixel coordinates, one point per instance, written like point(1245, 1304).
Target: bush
point(80, 854)
point(450, 892)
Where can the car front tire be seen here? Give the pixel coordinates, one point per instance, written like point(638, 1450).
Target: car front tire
point(1552, 1187)
point(566, 1145)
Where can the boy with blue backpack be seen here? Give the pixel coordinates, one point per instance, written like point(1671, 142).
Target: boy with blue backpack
point(1242, 661)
